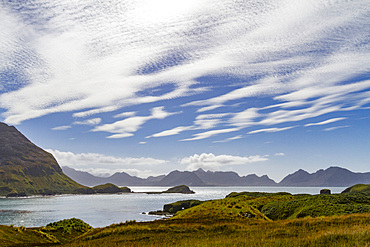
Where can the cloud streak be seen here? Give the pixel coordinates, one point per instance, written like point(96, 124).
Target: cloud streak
point(305, 59)
point(82, 160)
point(127, 127)
point(212, 162)
point(325, 122)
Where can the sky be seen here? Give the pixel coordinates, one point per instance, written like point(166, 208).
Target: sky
point(150, 86)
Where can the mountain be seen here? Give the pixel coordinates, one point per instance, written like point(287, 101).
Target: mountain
point(26, 169)
point(179, 178)
point(254, 180)
point(119, 178)
point(153, 180)
point(174, 178)
point(218, 178)
point(124, 179)
point(83, 178)
point(333, 177)
point(233, 179)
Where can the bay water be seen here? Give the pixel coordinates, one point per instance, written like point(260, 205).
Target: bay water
point(101, 210)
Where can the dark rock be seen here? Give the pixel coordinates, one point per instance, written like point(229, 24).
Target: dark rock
point(21, 194)
point(172, 208)
point(180, 189)
point(325, 192)
point(110, 189)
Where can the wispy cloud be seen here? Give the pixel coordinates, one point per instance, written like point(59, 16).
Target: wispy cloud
point(212, 162)
point(125, 114)
point(126, 127)
point(336, 127)
point(305, 59)
point(91, 122)
point(325, 122)
point(100, 160)
point(207, 134)
point(64, 127)
point(230, 139)
point(270, 130)
point(279, 154)
point(171, 132)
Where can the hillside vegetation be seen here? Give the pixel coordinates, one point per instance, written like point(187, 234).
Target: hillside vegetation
point(26, 169)
point(358, 188)
point(257, 219)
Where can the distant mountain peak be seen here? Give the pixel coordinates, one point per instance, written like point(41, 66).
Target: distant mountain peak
point(201, 170)
point(332, 176)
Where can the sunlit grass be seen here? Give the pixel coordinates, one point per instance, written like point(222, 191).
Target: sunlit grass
point(349, 230)
point(241, 220)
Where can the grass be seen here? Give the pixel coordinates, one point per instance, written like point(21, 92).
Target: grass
point(243, 219)
point(349, 230)
point(358, 188)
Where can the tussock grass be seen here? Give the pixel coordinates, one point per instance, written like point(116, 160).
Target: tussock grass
point(349, 230)
point(239, 220)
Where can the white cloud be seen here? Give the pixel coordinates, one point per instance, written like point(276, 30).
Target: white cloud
point(64, 127)
point(245, 118)
point(279, 154)
point(207, 134)
point(325, 122)
point(270, 130)
point(171, 132)
point(230, 139)
point(336, 127)
point(212, 162)
point(126, 127)
point(91, 122)
point(82, 160)
point(205, 121)
point(125, 114)
point(104, 172)
point(94, 57)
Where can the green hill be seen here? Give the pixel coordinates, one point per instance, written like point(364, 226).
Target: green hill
point(26, 169)
point(279, 206)
point(358, 188)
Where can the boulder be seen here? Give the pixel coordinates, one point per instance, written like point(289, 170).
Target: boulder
point(325, 192)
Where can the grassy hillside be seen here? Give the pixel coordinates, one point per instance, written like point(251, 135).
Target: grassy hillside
point(358, 188)
point(279, 219)
point(28, 169)
point(53, 234)
point(348, 230)
point(21, 177)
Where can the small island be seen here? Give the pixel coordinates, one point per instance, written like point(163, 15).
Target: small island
point(183, 189)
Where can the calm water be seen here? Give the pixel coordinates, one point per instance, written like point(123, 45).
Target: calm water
point(104, 210)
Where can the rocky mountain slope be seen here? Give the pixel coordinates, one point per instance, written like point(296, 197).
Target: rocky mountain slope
point(174, 178)
point(26, 169)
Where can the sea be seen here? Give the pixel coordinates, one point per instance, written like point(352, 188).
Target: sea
point(100, 210)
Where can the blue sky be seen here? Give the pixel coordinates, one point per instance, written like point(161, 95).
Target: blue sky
point(150, 86)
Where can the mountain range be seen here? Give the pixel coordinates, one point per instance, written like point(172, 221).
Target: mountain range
point(331, 177)
point(26, 169)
